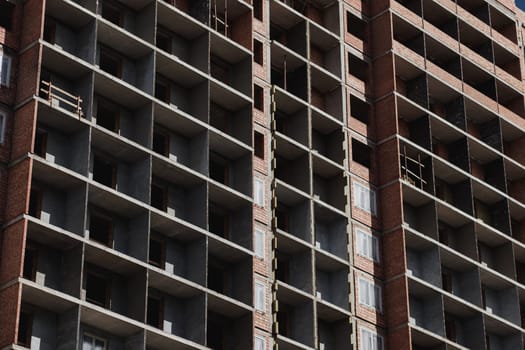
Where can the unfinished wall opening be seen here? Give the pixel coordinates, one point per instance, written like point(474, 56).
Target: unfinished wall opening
point(104, 171)
point(108, 115)
point(357, 67)
point(30, 263)
point(161, 142)
point(218, 221)
point(355, 25)
point(219, 168)
point(258, 97)
point(154, 313)
point(258, 52)
point(35, 202)
point(159, 196)
point(97, 289)
point(101, 228)
point(157, 251)
point(49, 30)
point(359, 109)
point(112, 12)
point(41, 142)
point(6, 14)
point(110, 62)
point(25, 326)
point(163, 39)
point(217, 276)
point(258, 9)
point(258, 144)
point(361, 153)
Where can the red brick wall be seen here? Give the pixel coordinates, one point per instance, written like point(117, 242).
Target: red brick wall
point(9, 309)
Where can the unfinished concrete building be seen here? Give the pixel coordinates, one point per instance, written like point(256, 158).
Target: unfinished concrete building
point(262, 174)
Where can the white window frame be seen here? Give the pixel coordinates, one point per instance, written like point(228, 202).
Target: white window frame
point(370, 294)
point(94, 338)
point(259, 343)
point(367, 245)
point(5, 77)
point(370, 340)
point(259, 241)
point(260, 297)
point(367, 194)
point(258, 192)
point(3, 120)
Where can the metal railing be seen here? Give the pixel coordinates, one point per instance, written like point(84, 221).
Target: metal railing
point(58, 97)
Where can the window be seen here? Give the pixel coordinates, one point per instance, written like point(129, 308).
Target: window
point(97, 290)
point(258, 243)
point(258, 192)
point(361, 153)
point(367, 245)
point(258, 9)
point(258, 97)
point(156, 252)
point(258, 52)
point(6, 14)
point(25, 325)
point(3, 118)
point(90, 342)
point(35, 203)
point(104, 171)
point(154, 313)
point(40, 142)
point(369, 294)
point(5, 67)
point(365, 198)
point(260, 297)
point(259, 343)
point(370, 340)
point(100, 229)
point(258, 144)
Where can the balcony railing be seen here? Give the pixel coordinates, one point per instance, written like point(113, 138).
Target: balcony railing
point(58, 97)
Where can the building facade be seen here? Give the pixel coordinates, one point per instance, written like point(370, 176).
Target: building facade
point(264, 174)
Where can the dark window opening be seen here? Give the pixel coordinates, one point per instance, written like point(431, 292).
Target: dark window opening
point(215, 336)
point(35, 203)
point(219, 169)
point(283, 320)
point(283, 267)
point(282, 220)
point(30, 263)
point(49, 31)
point(25, 325)
point(359, 109)
point(6, 14)
point(218, 224)
point(217, 278)
point(163, 41)
point(219, 69)
point(160, 143)
point(97, 290)
point(258, 144)
point(112, 12)
point(357, 67)
point(156, 252)
point(446, 280)
point(107, 116)
point(258, 97)
point(100, 229)
point(258, 9)
point(159, 197)
point(154, 313)
point(104, 171)
point(162, 91)
point(361, 153)
point(41, 142)
point(450, 327)
point(110, 63)
point(258, 52)
point(355, 25)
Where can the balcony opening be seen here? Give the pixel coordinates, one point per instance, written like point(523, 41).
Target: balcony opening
point(40, 142)
point(283, 267)
point(218, 223)
point(355, 26)
point(361, 153)
point(154, 312)
point(49, 31)
point(258, 144)
point(6, 15)
point(157, 252)
point(30, 263)
point(282, 220)
point(359, 109)
point(104, 171)
point(163, 40)
point(110, 63)
point(357, 67)
point(112, 12)
point(97, 290)
point(25, 325)
point(220, 69)
point(446, 280)
point(159, 197)
point(108, 116)
point(100, 229)
point(284, 320)
point(258, 98)
point(219, 170)
point(258, 52)
point(35, 203)
point(162, 90)
point(217, 277)
point(258, 9)
point(161, 143)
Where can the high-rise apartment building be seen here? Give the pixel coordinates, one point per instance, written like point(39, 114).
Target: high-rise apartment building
point(262, 174)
